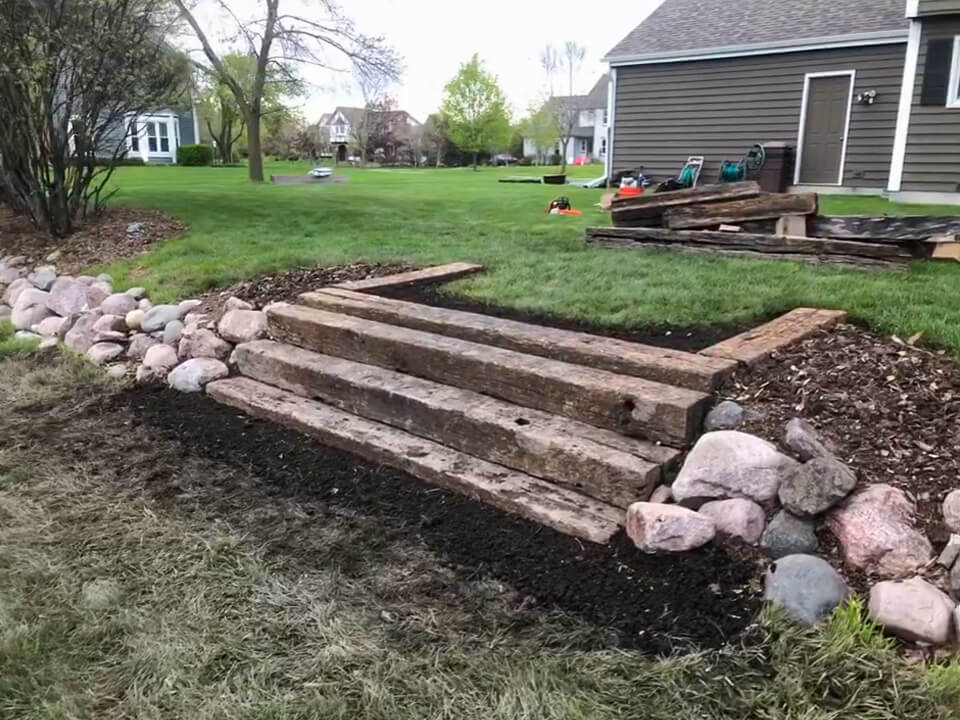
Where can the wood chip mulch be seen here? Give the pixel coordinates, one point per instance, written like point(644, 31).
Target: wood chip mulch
point(286, 286)
point(891, 409)
point(100, 240)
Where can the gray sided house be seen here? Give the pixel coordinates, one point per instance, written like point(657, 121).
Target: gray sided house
point(156, 135)
point(866, 91)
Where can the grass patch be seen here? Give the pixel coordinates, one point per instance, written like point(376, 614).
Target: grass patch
point(536, 262)
point(139, 580)
point(9, 345)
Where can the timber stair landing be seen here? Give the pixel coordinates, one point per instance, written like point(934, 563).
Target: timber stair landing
point(564, 428)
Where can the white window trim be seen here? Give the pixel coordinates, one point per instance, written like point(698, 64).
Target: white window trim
point(898, 157)
point(852, 74)
point(953, 91)
point(173, 135)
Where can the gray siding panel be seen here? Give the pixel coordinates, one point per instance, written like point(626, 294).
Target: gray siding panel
point(933, 145)
point(938, 7)
point(719, 108)
point(185, 118)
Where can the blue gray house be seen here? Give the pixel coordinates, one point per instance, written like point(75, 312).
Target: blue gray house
point(155, 136)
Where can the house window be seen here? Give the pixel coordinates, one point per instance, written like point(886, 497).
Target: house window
point(603, 147)
point(953, 89)
point(134, 136)
point(164, 138)
point(606, 117)
point(152, 136)
point(583, 147)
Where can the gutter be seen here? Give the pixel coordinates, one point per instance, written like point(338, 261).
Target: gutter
point(775, 47)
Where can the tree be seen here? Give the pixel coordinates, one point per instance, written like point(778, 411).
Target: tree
point(277, 39)
point(436, 135)
point(475, 110)
point(565, 109)
point(373, 88)
point(543, 129)
point(73, 74)
point(218, 106)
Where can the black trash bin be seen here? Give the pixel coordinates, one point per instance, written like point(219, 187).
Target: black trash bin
point(777, 173)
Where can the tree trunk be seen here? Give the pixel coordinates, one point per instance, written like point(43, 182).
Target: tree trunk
point(254, 148)
point(563, 157)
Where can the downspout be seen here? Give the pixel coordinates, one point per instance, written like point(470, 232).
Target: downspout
point(611, 123)
point(907, 90)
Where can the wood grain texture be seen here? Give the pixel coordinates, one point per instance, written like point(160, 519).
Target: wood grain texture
point(764, 207)
point(547, 446)
point(634, 406)
point(672, 367)
point(512, 491)
point(757, 345)
point(895, 230)
point(647, 209)
point(430, 274)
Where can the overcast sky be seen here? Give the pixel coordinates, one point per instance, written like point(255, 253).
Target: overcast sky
point(435, 36)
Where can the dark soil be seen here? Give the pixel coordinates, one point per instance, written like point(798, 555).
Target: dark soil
point(657, 604)
point(287, 285)
point(689, 339)
point(892, 411)
point(100, 240)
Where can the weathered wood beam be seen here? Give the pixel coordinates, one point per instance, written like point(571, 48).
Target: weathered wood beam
point(653, 363)
point(916, 228)
point(515, 492)
point(758, 344)
point(430, 274)
point(648, 209)
point(634, 406)
point(541, 444)
point(764, 207)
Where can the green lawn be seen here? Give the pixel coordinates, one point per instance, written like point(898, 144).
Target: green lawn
point(536, 262)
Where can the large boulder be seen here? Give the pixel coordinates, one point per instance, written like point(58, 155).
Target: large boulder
point(43, 277)
point(241, 326)
point(98, 291)
point(817, 486)
point(29, 309)
point(730, 464)
point(913, 610)
point(118, 304)
point(13, 291)
point(172, 332)
point(9, 274)
point(806, 587)
point(104, 352)
point(876, 533)
point(54, 326)
point(805, 441)
point(789, 535)
point(82, 335)
point(235, 303)
point(737, 521)
point(70, 296)
point(656, 528)
point(157, 363)
point(199, 342)
point(951, 511)
point(157, 317)
point(193, 375)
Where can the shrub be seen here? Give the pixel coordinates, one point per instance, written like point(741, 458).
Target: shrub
point(195, 155)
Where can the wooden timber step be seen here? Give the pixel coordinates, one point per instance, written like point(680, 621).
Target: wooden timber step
point(510, 490)
point(672, 367)
point(633, 406)
point(450, 271)
point(631, 210)
point(756, 345)
point(599, 463)
point(733, 213)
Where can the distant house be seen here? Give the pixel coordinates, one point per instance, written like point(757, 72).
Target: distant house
point(156, 136)
point(340, 127)
point(589, 137)
point(866, 91)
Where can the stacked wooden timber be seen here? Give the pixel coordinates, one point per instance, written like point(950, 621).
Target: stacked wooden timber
point(564, 428)
point(739, 219)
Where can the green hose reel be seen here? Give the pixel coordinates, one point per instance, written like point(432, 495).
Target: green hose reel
point(745, 169)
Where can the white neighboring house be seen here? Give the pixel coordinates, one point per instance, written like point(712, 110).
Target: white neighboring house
point(590, 138)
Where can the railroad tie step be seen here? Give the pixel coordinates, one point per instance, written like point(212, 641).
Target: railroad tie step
point(515, 492)
point(596, 462)
point(673, 367)
point(633, 406)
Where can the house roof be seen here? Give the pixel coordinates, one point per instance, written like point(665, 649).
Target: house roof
point(354, 115)
point(684, 29)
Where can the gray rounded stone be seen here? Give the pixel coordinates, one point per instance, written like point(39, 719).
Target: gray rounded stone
point(806, 587)
point(193, 375)
point(157, 317)
point(805, 441)
point(104, 352)
point(118, 304)
point(789, 535)
point(951, 511)
point(728, 415)
point(139, 344)
point(172, 332)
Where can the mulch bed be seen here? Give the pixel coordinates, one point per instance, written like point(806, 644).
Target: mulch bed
point(100, 240)
point(691, 339)
point(892, 410)
point(287, 285)
point(656, 604)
